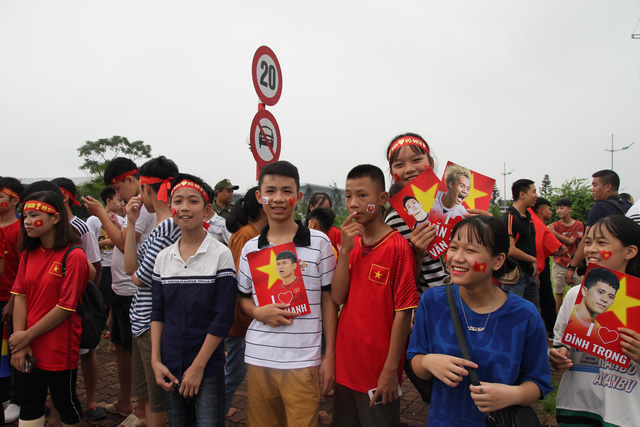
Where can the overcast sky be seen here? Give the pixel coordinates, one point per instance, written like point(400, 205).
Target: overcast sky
point(540, 85)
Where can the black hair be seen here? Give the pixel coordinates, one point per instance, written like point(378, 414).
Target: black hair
point(178, 177)
point(210, 192)
point(541, 201)
point(414, 148)
point(37, 186)
point(282, 168)
point(246, 209)
point(607, 176)
point(405, 199)
point(68, 185)
point(159, 167)
point(394, 189)
point(12, 184)
point(627, 197)
point(518, 186)
point(489, 232)
point(324, 216)
point(565, 201)
point(117, 167)
point(65, 234)
point(372, 172)
point(287, 255)
point(625, 230)
point(107, 193)
point(601, 275)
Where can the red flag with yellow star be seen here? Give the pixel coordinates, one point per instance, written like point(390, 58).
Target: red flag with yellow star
point(414, 201)
point(277, 278)
point(607, 300)
point(460, 189)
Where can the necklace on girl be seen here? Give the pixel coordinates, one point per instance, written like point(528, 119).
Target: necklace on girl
point(477, 328)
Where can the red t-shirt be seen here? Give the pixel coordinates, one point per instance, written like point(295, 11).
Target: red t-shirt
point(11, 259)
point(336, 238)
point(40, 280)
point(382, 281)
point(577, 230)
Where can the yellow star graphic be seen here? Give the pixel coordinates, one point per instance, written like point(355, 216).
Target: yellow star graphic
point(270, 269)
point(426, 198)
point(623, 302)
point(378, 274)
point(474, 194)
point(55, 268)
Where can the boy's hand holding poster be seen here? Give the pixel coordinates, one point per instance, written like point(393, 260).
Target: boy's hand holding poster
point(277, 278)
point(607, 301)
point(414, 201)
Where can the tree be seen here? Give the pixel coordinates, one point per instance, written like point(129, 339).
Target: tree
point(301, 210)
point(579, 192)
point(545, 188)
point(495, 196)
point(337, 202)
point(98, 154)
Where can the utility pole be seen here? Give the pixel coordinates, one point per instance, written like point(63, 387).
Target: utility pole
point(504, 173)
point(619, 149)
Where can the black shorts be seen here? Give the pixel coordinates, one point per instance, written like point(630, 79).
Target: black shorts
point(120, 323)
point(33, 394)
point(105, 286)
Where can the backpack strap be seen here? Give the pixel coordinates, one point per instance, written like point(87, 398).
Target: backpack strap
point(66, 254)
point(615, 201)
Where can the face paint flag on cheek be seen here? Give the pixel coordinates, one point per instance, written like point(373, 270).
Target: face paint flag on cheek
point(291, 201)
point(606, 254)
point(396, 177)
point(371, 208)
point(4, 205)
point(265, 200)
point(38, 223)
point(173, 211)
point(479, 267)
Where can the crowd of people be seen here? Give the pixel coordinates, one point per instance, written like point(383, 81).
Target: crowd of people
point(171, 256)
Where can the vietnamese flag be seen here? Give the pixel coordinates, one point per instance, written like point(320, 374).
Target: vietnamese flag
point(422, 192)
point(546, 242)
point(5, 357)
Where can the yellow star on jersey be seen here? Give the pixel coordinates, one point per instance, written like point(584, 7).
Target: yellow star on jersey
point(474, 194)
point(55, 268)
point(378, 275)
point(623, 302)
point(271, 270)
point(426, 198)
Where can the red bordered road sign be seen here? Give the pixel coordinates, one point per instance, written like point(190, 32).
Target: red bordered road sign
point(265, 138)
point(266, 75)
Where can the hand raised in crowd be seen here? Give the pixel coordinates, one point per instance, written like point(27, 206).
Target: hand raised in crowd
point(349, 230)
point(134, 206)
point(421, 237)
point(93, 206)
point(448, 369)
point(471, 212)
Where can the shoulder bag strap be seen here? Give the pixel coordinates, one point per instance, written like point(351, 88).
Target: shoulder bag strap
point(455, 318)
point(66, 254)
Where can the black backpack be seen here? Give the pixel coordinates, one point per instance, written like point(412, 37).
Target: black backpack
point(90, 309)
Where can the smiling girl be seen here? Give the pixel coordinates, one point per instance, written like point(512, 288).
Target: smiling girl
point(45, 321)
point(592, 391)
point(505, 333)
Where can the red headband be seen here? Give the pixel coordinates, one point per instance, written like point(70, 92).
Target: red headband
point(191, 184)
point(9, 192)
point(123, 176)
point(404, 141)
point(164, 188)
point(35, 205)
point(69, 195)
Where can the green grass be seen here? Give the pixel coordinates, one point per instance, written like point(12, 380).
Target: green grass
point(548, 405)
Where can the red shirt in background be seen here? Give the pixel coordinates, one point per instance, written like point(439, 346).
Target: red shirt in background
point(11, 259)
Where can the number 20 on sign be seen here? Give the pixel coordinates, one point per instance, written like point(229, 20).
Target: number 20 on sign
point(267, 75)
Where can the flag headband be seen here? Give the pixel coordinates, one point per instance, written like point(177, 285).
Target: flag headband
point(9, 192)
point(36, 205)
point(164, 188)
point(404, 141)
point(191, 184)
point(123, 176)
point(69, 195)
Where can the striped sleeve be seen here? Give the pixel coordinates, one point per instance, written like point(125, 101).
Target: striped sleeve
point(167, 234)
point(405, 295)
point(327, 262)
point(245, 282)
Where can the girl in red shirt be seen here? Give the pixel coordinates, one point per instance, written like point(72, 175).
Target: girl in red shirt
point(46, 338)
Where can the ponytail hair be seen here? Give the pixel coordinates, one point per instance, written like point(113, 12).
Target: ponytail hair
point(245, 210)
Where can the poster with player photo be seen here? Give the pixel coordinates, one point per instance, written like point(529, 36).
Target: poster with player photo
point(277, 278)
point(607, 300)
point(414, 201)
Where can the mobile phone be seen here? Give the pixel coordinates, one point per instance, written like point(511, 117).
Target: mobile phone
point(379, 399)
point(29, 361)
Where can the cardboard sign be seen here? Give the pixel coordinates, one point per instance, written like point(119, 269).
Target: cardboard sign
point(607, 300)
point(414, 201)
point(460, 189)
point(277, 278)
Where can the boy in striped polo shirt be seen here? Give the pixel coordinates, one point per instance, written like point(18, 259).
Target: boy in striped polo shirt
point(286, 372)
point(155, 178)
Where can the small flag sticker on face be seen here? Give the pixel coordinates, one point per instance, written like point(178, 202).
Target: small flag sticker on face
point(4, 204)
point(371, 208)
point(265, 200)
point(606, 254)
point(479, 267)
point(292, 201)
point(38, 223)
point(173, 211)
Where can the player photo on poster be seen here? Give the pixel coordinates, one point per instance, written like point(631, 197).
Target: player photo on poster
point(607, 301)
point(277, 278)
point(414, 201)
point(460, 189)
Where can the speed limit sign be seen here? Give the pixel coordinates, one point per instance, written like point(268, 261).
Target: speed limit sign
point(267, 75)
